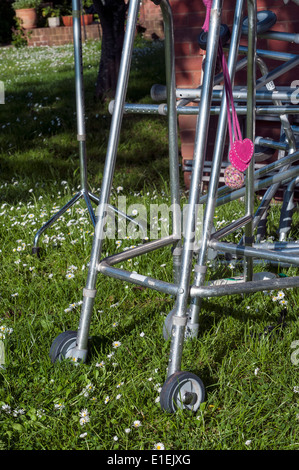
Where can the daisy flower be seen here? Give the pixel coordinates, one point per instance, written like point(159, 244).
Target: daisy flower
point(83, 413)
point(69, 275)
point(159, 446)
point(137, 423)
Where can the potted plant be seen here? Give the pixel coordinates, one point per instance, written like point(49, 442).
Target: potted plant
point(52, 15)
point(26, 12)
point(67, 17)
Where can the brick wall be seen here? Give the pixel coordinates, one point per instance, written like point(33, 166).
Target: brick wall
point(60, 35)
point(188, 20)
point(150, 17)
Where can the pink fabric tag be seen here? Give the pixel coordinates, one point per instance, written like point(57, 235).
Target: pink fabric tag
point(243, 149)
point(236, 162)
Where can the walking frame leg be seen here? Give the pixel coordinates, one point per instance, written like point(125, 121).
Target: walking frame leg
point(200, 271)
point(180, 317)
point(79, 353)
point(81, 137)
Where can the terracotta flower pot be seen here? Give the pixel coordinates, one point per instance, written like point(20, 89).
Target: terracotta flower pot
point(68, 20)
point(28, 17)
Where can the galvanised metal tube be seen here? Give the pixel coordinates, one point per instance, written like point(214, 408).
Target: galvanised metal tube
point(277, 72)
point(137, 251)
point(268, 54)
point(215, 170)
point(260, 184)
point(172, 129)
point(286, 127)
point(56, 217)
point(249, 251)
point(257, 174)
point(287, 209)
point(138, 279)
point(276, 246)
point(231, 227)
point(180, 318)
point(250, 127)
point(215, 110)
point(280, 36)
point(217, 79)
point(80, 108)
point(241, 110)
point(238, 94)
point(244, 287)
point(89, 291)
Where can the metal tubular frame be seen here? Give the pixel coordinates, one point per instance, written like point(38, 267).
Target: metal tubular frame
point(81, 137)
point(185, 318)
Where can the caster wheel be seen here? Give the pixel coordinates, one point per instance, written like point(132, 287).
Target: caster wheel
point(224, 37)
point(265, 20)
point(182, 390)
point(63, 345)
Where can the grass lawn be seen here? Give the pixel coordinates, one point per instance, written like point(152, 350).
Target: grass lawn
point(112, 401)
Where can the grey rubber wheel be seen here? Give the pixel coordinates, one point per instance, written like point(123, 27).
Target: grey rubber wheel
point(202, 38)
point(62, 345)
point(265, 20)
point(182, 390)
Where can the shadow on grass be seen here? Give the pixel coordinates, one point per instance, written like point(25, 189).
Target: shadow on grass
point(38, 138)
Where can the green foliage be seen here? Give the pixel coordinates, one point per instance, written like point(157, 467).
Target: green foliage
point(21, 4)
point(19, 35)
point(49, 12)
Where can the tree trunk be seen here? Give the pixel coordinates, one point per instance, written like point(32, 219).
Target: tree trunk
point(112, 14)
